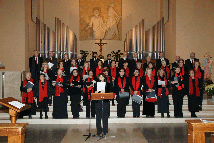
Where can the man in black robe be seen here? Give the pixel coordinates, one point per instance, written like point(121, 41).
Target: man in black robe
point(107, 62)
point(132, 64)
point(122, 60)
point(52, 60)
point(161, 58)
point(190, 62)
point(176, 63)
point(93, 62)
point(145, 65)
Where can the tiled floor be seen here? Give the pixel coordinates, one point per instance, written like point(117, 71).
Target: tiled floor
point(134, 133)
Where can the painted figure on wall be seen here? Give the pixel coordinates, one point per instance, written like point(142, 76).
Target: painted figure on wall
point(207, 65)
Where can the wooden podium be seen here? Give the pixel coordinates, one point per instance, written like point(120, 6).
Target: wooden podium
point(14, 131)
point(102, 96)
point(196, 130)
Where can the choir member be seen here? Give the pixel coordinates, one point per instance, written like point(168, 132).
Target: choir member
point(101, 108)
point(93, 62)
point(145, 65)
point(183, 69)
point(199, 73)
point(132, 63)
point(122, 60)
point(43, 93)
point(64, 71)
point(49, 76)
point(85, 71)
point(190, 62)
point(28, 96)
point(139, 67)
point(35, 64)
point(60, 97)
point(75, 93)
point(192, 87)
point(178, 92)
point(107, 63)
point(166, 69)
point(121, 84)
point(126, 68)
point(99, 68)
point(151, 66)
point(52, 60)
point(162, 92)
point(74, 64)
point(111, 82)
point(176, 63)
point(161, 58)
point(149, 85)
point(136, 90)
point(89, 88)
point(66, 63)
point(113, 72)
point(80, 62)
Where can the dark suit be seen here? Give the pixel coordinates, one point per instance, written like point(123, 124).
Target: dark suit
point(81, 63)
point(145, 65)
point(67, 66)
point(34, 67)
point(53, 61)
point(189, 64)
point(93, 64)
point(132, 66)
point(107, 64)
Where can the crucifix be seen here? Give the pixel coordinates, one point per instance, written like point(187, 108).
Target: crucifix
point(101, 46)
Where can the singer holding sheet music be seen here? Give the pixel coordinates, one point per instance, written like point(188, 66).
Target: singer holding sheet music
point(121, 86)
point(75, 92)
point(27, 96)
point(162, 92)
point(89, 88)
point(136, 91)
point(149, 85)
point(178, 92)
point(60, 97)
point(99, 105)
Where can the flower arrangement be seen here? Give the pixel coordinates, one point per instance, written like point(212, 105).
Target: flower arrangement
point(84, 54)
point(116, 55)
point(210, 89)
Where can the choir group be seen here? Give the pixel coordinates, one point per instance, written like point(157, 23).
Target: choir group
point(126, 78)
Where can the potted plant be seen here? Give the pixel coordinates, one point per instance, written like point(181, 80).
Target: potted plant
point(116, 55)
point(210, 90)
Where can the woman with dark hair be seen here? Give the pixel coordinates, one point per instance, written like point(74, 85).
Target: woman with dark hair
point(89, 88)
point(162, 93)
point(121, 86)
point(177, 82)
point(60, 97)
point(99, 68)
point(192, 86)
point(99, 104)
point(75, 92)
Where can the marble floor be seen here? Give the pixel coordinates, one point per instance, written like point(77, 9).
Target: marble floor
point(128, 133)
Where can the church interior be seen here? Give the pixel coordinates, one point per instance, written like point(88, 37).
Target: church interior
point(137, 32)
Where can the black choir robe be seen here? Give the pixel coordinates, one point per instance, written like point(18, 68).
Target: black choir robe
point(66, 65)
point(177, 95)
point(44, 104)
point(148, 107)
point(121, 106)
point(32, 110)
point(190, 65)
point(136, 106)
point(201, 78)
point(163, 100)
point(107, 64)
point(75, 96)
point(60, 102)
point(193, 104)
point(132, 66)
point(93, 64)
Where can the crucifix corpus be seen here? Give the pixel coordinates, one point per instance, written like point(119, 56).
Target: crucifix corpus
point(101, 46)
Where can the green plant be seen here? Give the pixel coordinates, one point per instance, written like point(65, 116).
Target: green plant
point(116, 55)
point(210, 89)
point(84, 54)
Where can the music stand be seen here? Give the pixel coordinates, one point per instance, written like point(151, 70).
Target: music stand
point(98, 96)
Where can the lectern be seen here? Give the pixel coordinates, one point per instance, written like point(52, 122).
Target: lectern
point(14, 131)
point(99, 96)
